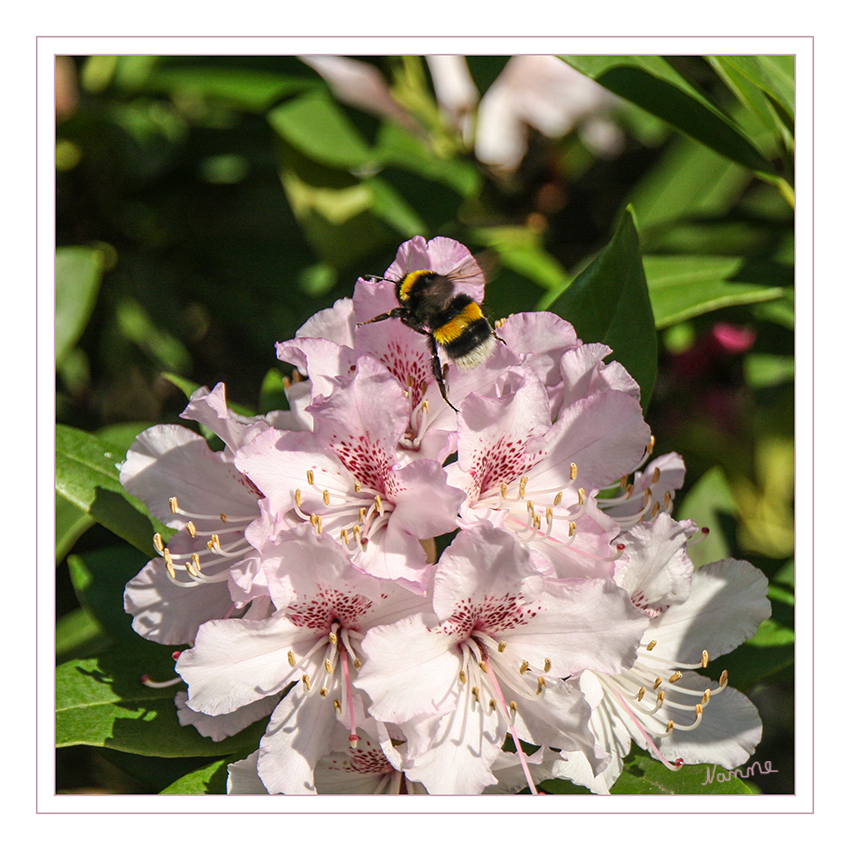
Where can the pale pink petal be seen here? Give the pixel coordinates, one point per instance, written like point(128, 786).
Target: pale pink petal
point(585, 374)
point(728, 732)
point(466, 745)
point(362, 85)
point(728, 601)
point(409, 670)
point(223, 725)
point(235, 662)
point(242, 776)
point(604, 435)
point(297, 736)
point(210, 409)
point(170, 460)
point(655, 569)
point(581, 624)
point(170, 613)
point(539, 340)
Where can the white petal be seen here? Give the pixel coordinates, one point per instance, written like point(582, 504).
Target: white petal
point(727, 735)
point(728, 601)
point(242, 776)
point(298, 735)
point(168, 613)
point(224, 725)
point(235, 662)
point(410, 670)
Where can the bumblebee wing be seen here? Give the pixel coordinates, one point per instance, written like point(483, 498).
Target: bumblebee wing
point(472, 274)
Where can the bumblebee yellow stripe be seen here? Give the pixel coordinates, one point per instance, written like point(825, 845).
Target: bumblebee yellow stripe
point(453, 329)
point(409, 281)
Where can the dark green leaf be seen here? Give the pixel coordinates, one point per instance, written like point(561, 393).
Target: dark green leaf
point(754, 95)
point(683, 286)
point(78, 634)
point(774, 75)
point(651, 83)
point(71, 523)
point(79, 270)
point(87, 476)
point(644, 775)
point(209, 779)
point(609, 302)
point(102, 702)
point(99, 578)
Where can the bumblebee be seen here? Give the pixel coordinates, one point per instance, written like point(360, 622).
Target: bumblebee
point(430, 304)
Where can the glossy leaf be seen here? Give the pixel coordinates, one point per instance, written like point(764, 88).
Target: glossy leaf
point(101, 702)
point(87, 476)
point(652, 83)
point(609, 302)
point(71, 524)
point(683, 286)
point(78, 634)
point(79, 271)
point(774, 75)
point(209, 779)
point(99, 578)
point(740, 77)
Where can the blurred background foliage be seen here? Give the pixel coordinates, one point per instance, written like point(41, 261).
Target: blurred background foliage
point(206, 206)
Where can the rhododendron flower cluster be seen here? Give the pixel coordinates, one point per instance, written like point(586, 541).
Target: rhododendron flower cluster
point(421, 600)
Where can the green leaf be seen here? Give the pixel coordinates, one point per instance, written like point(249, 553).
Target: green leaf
point(651, 83)
point(316, 126)
point(709, 503)
point(78, 634)
point(79, 271)
point(609, 302)
point(768, 370)
point(209, 779)
point(690, 180)
point(71, 524)
point(87, 476)
point(774, 75)
point(272, 392)
point(522, 250)
point(745, 77)
point(644, 775)
point(99, 578)
point(101, 702)
point(245, 88)
point(684, 286)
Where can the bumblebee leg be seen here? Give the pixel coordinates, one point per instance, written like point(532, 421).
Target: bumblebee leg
point(437, 368)
point(395, 313)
